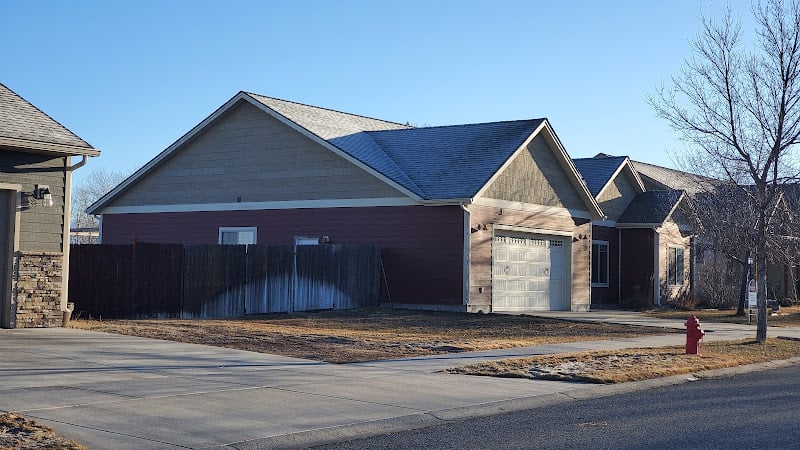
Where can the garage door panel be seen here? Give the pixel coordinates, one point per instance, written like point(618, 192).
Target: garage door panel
point(528, 272)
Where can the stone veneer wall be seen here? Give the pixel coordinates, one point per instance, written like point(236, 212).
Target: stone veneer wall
point(37, 289)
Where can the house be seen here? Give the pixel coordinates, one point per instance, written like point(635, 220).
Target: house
point(478, 217)
point(641, 251)
point(717, 275)
point(35, 175)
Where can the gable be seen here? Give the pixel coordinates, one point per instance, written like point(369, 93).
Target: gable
point(617, 195)
point(247, 155)
point(536, 177)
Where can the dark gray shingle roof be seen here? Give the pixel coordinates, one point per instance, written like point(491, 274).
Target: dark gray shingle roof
point(651, 207)
point(597, 172)
point(448, 162)
point(21, 120)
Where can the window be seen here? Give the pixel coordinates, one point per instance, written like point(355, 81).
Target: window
point(600, 263)
point(674, 266)
point(237, 235)
point(306, 240)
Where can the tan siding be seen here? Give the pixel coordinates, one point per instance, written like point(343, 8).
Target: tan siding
point(670, 236)
point(617, 196)
point(251, 155)
point(41, 227)
point(535, 176)
point(480, 289)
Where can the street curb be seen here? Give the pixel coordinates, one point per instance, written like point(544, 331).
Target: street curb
point(581, 391)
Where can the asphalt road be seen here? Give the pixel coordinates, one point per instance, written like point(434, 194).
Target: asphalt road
point(758, 410)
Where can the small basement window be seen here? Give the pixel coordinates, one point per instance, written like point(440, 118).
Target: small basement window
point(237, 235)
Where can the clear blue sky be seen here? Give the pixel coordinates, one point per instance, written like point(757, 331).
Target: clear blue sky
point(132, 77)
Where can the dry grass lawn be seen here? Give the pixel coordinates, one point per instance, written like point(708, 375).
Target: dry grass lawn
point(787, 317)
point(369, 334)
point(18, 432)
point(634, 364)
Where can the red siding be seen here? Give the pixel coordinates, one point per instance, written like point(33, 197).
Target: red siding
point(637, 255)
point(610, 294)
point(423, 247)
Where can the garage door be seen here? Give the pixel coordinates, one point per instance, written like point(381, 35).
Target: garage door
point(528, 272)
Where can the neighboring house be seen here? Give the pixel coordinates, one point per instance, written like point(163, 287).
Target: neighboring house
point(479, 217)
point(35, 175)
point(641, 251)
point(782, 279)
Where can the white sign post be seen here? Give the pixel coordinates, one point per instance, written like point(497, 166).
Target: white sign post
point(752, 299)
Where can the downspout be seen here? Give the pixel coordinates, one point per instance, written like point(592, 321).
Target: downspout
point(65, 237)
point(84, 159)
point(467, 250)
point(619, 266)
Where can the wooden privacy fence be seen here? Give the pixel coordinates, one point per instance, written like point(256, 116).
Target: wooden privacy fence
point(198, 281)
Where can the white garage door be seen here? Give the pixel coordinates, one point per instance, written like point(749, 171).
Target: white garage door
point(528, 272)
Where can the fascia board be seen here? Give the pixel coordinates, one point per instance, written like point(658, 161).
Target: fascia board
point(509, 160)
point(339, 152)
point(28, 146)
point(569, 166)
point(675, 206)
point(566, 163)
point(624, 166)
point(639, 225)
point(94, 207)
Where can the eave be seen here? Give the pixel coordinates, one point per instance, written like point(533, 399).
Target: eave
point(48, 148)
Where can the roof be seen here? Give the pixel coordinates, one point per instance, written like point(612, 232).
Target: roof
point(650, 208)
point(597, 172)
point(447, 163)
point(674, 179)
point(325, 123)
point(25, 127)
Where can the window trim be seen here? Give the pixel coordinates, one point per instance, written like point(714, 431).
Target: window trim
point(222, 230)
point(608, 264)
point(682, 272)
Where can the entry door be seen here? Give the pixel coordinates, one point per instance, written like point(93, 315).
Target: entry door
point(528, 272)
point(7, 207)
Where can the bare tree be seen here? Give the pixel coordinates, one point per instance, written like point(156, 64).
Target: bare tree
point(739, 111)
point(95, 185)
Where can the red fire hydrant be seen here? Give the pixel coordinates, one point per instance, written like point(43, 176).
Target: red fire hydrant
point(694, 334)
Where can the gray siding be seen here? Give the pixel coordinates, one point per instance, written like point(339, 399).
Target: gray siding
point(536, 177)
point(617, 196)
point(251, 155)
point(41, 228)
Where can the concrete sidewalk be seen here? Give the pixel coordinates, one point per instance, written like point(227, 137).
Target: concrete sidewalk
point(112, 391)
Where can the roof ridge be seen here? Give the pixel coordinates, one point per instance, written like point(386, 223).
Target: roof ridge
point(463, 125)
point(327, 109)
point(592, 158)
point(46, 115)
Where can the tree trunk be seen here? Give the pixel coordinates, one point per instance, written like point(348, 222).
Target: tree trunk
point(743, 284)
point(761, 268)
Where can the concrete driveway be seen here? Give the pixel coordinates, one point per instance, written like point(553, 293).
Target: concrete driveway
point(112, 391)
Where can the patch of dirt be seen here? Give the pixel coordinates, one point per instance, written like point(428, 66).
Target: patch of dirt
point(788, 316)
point(634, 364)
point(18, 432)
point(369, 334)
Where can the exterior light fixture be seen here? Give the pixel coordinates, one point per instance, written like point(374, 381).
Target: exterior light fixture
point(42, 192)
